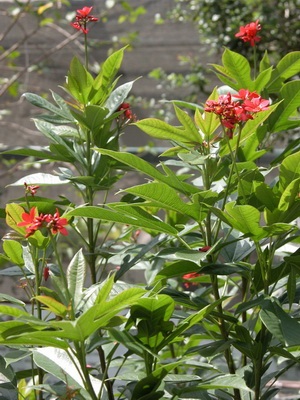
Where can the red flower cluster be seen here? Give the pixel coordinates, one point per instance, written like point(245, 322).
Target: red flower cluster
point(82, 18)
point(192, 275)
point(127, 112)
point(238, 110)
point(31, 189)
point(34, 221)
point(248, 33)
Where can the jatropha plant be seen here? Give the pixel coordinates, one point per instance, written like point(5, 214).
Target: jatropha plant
point(217, 313)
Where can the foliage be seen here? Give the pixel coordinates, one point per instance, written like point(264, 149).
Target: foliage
point(218, 306)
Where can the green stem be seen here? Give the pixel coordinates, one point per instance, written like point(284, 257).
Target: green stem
point(61, 269)
point(227, 353)
point(87, 380)
point(86, 52)
point(254, 62)
point(107, 382)
point(234, 159)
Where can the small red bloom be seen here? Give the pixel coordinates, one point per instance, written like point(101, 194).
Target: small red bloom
point(34, 221)
point(31, 189)
point(236, 109)
point(127, 115)
point(46, 273)
point(56, 223)
point(28, 218)
point(248, 33)
point(192, 275)
point(82, 18)
point(204, 249)
point(84, 12)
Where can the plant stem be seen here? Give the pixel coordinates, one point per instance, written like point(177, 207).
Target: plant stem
point(254, 62)
point(227, 353)
point(87, 380)
point(61, 270)
point(86, 52)
point(107, 382)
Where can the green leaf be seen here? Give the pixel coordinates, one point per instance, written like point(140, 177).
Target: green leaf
point(40, 178)
point(249, 129)
point(130, 215)
point(284, 328)
point(35, 153)
point(100, 315)
point(58, 363)
point(190, 255)
point(13, 216)
point(289, 170)
point(62, 113)
point(14, 251)
point(282, 117)
point(53, 305)
point(236, 72)
point(49, 131)
point(145, 388)
point(224, 382)
point(118, 96)
point(187, 122)
point(164, 131)
point(76, 273)
point(176, 269)
point(163, 196)
point(129, 263)
point(130, 342)
point(141, 165)
point(12, 300)
point(262, 79)
point(287, 67)
point(207, 122)
point(244, 218)
point(7, 376)
point(79, 82)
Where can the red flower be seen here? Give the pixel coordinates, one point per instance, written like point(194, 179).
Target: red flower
point(248, 33)
point(191, 275)
point(31, 189)
point(82, 18)
point(232, 112)
point(46, 273)
point(205, 248)
point(34, 221)
point(56, 223)
point(127, 112)
point(84, 12)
